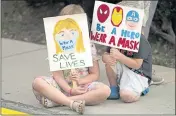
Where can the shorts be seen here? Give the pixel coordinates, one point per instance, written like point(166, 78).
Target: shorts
point(129, 80)
point(48, 103)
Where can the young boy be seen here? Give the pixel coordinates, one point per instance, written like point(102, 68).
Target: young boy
point(145, 6)
point(134, 71)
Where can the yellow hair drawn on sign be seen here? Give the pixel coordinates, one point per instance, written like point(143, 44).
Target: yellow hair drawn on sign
point(68, 36)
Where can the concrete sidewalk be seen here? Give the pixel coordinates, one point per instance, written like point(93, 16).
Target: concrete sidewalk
point(21, 62)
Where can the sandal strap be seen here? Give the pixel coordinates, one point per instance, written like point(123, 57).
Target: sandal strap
point(77, 107)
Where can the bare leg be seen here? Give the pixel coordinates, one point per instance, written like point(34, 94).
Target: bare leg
point(53, 94)
point(111, 75)
point(113, 83)
point(50, 92)
point(129, 96)
point(95, 96)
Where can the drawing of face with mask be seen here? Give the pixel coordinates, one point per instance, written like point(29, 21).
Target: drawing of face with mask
point(132, 19)
point(68, 37)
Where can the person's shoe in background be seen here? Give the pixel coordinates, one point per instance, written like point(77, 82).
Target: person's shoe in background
point(156, 80)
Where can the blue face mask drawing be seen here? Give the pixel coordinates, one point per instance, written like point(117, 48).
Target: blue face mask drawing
point(67, 42)
point(132, 16)
point(67, 45)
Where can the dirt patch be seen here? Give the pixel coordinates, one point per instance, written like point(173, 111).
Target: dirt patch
point(163, 52)
point(21, 22)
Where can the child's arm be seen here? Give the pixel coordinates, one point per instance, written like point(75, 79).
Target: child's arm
point(59, 78)
point(137, 60)
point(92, 76)
point(131, 62)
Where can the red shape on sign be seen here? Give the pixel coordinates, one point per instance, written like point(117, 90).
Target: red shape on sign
point(103, 13)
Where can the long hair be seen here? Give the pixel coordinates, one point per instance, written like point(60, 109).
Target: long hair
point(69, 24)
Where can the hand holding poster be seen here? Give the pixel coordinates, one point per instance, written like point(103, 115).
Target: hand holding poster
point(117, 26)
point(68, 42)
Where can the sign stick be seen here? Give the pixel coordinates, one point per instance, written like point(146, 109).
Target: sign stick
point(74, 82)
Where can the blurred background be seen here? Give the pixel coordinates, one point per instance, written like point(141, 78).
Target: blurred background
point(23, 20)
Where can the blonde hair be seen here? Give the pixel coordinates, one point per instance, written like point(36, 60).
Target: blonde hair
point(69, 24)
point(72, 9)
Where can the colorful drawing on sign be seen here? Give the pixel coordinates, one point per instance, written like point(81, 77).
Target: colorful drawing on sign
point(132, 19)
point(103, 13)
point(122, 28)
point(68, 36)
point(117, 16)
point(68, 42)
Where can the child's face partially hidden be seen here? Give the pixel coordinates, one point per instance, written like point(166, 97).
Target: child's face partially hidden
point(66, 38)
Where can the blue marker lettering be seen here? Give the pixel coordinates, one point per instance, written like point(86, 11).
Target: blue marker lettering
point(113, 31)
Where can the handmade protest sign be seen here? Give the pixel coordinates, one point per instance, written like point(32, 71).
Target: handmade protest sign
point(117, 26)
point(68, 42)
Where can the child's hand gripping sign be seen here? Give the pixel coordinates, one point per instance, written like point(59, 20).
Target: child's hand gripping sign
point(68, 42)
point(117, 26)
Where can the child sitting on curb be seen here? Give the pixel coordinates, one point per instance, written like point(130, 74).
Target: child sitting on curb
point(55, 90)
point(134, 70)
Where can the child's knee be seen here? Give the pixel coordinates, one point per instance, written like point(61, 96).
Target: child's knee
point(107, 91)
point(129, 96)
point(37, 82)
point(104, 89)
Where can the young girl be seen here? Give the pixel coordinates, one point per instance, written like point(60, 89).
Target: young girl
point(56, 90)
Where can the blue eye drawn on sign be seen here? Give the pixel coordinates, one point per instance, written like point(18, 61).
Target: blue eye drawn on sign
point(132, 16)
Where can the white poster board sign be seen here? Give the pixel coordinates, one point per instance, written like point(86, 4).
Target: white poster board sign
point(68, 42)
point(117, 26)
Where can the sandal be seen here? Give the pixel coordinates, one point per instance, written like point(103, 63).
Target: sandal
point(48, 103)
point(78, 106)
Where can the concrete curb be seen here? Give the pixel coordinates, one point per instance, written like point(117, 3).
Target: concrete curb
point(28, 108)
